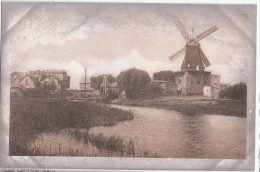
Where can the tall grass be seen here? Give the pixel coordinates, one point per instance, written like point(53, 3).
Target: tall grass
point(109, 143)
point(30, 117)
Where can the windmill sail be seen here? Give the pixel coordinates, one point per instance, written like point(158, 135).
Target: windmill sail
point(177, 54)
point(207, 32)
point(204, 58)
point(194, 58)
point(182, 30)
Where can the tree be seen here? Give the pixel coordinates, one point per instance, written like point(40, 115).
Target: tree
point(97, 81)
point(164, 76)
point(133, 82)
point(237, 91)
point(152, 91)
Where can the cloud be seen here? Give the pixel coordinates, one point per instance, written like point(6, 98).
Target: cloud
point(234, 71)
point(108, 38)
point(131, 60)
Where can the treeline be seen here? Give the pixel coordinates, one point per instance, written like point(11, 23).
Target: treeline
point(164, 76)
point(136, 83)
point(237, 91)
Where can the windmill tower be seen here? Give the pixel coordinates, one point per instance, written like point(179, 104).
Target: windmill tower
point(192, 78)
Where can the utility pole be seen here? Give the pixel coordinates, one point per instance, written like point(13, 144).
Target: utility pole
point(105, 84)
point(85, 82)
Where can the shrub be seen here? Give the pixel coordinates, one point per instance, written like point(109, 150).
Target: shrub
point(237, 91)
point(133, 82)
point(164, 76)
point(152, 91)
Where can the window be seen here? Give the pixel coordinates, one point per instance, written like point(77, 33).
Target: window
point(198, 82)
point(191, 82)
point(204, 82)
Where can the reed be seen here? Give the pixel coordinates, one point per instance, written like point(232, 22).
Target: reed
point(29, 117)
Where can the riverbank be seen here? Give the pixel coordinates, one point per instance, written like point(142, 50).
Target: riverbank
point(30, 117)
point(191, 105)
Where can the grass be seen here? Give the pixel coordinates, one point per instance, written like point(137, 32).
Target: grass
point(29, 117)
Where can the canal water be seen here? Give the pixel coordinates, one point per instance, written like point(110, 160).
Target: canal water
point(167, 134)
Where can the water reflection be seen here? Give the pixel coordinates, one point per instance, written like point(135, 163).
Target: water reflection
point(195, 135)
point(175, 135)
point(168, 134)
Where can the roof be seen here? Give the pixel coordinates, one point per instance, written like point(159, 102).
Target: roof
point(51, 76)
point(16, 73)
point(215, 75)
point(39, 72)
point(34, 79)
point(15, 79)
point(82, 81)
point(192, 71)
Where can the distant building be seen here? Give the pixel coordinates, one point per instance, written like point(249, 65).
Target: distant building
point(109, 88)
point(85, 85)
point(168, 87)
point(192, 82)
point(52, 80)
point(211, 91)
point(15, 85)
point(34, 79)
point(29, 82)
point(214, 88)
point(60, 74)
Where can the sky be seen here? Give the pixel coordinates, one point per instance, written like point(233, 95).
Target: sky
point(110, 38)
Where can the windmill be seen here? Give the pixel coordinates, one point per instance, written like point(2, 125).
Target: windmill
point(195, 59)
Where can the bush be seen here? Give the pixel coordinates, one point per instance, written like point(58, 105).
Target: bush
point(133, 82)
point(152, 91)
point(164, 76)
point(237, 91)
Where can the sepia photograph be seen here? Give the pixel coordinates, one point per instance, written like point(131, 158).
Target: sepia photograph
point(128, 80)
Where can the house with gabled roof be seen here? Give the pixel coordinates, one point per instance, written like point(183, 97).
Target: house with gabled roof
point(15, 87)
point(58, 81)
point(53, 80)
point(85, 85)
point(29, 82)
